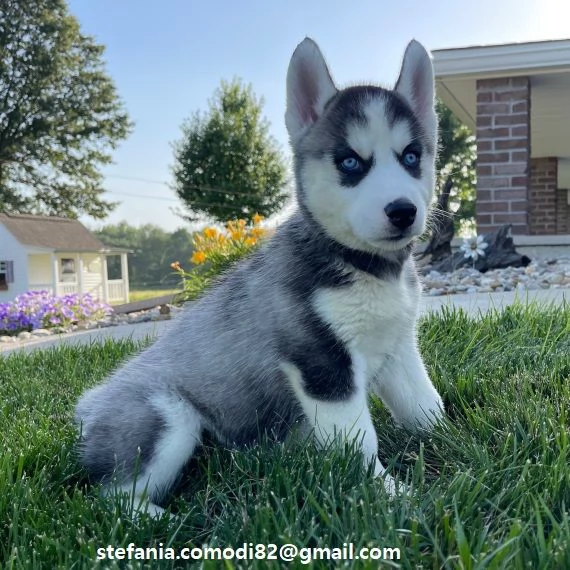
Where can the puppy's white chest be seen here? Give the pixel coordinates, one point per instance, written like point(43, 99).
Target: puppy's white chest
point(369, 316)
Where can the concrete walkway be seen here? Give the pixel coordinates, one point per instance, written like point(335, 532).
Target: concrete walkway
point(137, 331)
point(477, 303)
point(472, 303)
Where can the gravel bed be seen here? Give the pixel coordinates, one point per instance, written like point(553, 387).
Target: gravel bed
point(539, 274)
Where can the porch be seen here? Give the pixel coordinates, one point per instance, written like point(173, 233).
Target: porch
point(104, 276)
point(515, 99)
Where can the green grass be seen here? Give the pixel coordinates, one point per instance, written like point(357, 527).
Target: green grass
point(143, 294)
point(491, 484)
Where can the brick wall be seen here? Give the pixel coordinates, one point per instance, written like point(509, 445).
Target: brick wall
point(503, 153)
point(543, 196)
point(562, 212)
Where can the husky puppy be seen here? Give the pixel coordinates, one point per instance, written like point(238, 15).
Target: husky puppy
point(312, 322)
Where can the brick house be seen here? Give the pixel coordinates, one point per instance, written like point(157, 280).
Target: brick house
point(516, 99)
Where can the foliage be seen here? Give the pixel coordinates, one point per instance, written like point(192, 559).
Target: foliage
point(152, 250)
point(456, 160)
point(227, 166)
point(216, 251)
point(491, 483)
point(59, 113)
point(41, 309)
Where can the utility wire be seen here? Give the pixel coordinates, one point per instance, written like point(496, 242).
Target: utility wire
point(164, 198)
point(136, 179)
point(199, 188)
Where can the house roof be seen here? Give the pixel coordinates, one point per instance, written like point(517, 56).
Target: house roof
point(503, 60)
point(50, 232)
point(545, 63)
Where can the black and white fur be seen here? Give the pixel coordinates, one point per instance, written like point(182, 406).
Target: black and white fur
point(316, 319)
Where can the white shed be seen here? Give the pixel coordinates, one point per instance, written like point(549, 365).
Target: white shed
point(59, 255)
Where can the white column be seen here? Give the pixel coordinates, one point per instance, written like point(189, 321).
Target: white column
point(125, 276)
point(104, 278)
point(54, 273)
point(80, 274)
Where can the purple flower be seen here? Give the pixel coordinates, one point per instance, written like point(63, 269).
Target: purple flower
point(37, 309)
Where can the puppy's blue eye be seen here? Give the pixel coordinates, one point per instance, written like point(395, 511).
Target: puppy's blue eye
point(350, 164)
point(411, 159)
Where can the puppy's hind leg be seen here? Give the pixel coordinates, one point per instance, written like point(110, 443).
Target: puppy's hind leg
point(150, 476)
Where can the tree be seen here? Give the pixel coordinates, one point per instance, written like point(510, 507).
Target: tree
point(227, 166)
point(455, 184)
point(153, 250)
point(455, 165)
point(59, 113)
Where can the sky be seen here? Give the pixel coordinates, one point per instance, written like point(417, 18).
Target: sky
point(167, 58)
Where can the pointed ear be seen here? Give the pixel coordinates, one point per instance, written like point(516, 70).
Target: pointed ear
point(416, 85)
point(309, 87)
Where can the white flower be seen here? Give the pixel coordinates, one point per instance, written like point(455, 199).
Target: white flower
point(474, 247)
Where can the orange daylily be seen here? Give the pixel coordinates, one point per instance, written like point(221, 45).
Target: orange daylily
point(198, 257)
point(210, 232)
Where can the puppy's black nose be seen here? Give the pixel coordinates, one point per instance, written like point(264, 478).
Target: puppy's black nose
point(401, 213)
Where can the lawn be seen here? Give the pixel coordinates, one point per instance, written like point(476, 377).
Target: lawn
point(144, 294)
point(491, 484)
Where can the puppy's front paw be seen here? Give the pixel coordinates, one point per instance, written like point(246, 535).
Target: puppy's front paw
point(431, 417)
point(394, 488)
point(426, 416)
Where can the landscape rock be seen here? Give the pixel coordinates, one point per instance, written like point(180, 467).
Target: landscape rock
point(556, 279)
point(500, 253)
point(539, 274)
point(42, 332)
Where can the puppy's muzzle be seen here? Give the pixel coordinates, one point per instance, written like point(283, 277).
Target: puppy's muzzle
point(401, 213)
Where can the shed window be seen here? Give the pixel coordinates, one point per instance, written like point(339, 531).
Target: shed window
point(6, 274)
point(68, 270)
